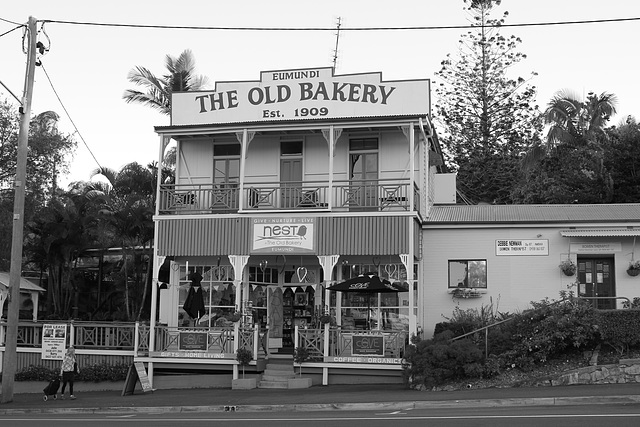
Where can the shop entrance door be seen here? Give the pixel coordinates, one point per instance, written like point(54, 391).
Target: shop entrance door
point(596, 279)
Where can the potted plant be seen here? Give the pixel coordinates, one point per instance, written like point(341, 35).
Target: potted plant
point(235, 317)
point(244, 356)
point(326, 318)
point(634, 268)
point(466, 293)
point(300, 355)
point(568, 267)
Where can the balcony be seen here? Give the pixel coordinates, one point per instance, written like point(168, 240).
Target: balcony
point(342, 196)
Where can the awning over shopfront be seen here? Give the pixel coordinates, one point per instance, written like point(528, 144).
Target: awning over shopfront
point(617, 232)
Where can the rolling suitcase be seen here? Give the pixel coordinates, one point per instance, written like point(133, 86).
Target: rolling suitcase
point(51, 389)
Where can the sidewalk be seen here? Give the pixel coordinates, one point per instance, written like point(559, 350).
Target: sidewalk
point(319, 398)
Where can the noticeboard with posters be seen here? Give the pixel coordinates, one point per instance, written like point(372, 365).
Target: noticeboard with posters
point(54, 341)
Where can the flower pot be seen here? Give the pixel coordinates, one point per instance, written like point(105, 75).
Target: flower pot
point(633, 271)
point(569, 272)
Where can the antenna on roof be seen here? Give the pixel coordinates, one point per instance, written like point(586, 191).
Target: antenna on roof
point(335, 52)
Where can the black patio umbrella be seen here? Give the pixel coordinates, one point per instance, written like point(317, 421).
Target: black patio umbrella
point(368, 283)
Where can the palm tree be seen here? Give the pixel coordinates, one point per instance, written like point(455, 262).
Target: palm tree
point(57, 236)
point(578, 122)
point(181, 77)
point(127, 202)
point(573, 123)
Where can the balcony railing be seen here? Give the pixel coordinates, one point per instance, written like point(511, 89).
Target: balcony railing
point(344, 195)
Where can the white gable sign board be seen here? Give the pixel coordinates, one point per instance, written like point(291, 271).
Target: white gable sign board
point(313, 93)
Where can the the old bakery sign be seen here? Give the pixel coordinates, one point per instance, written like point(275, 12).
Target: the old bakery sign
point(301, 94)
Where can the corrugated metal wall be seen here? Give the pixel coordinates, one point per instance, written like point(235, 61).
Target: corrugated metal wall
point(357, 235)
point(368, 235)
point(204, 236)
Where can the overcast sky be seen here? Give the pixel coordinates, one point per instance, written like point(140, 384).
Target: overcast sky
point(88, 64)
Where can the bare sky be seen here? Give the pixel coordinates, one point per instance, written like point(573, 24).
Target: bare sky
point(88, 64)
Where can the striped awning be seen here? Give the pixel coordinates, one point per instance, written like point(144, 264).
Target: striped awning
point(612, 232)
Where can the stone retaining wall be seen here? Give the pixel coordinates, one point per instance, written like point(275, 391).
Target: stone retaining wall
point(626, 371)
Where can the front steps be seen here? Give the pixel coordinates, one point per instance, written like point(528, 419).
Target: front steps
point(279, 374)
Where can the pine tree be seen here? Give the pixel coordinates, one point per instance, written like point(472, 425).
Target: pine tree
point(482, 112)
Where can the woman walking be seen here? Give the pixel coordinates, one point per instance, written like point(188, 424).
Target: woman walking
point(68, 371)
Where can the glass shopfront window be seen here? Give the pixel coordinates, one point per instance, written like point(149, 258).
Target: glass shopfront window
point(218, 291)
point(381, 311)
point(259, 280)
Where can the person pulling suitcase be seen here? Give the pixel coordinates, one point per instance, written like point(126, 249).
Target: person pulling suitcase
point(68, 371)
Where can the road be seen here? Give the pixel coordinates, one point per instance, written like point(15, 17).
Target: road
point(565, 416)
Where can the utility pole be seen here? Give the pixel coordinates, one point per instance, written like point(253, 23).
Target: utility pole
point(10, 352)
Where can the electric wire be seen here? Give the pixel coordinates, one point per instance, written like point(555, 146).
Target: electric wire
point(407, 28)
point(12, 94)
point(11, 22)
point(7, 32)
point(69, 116)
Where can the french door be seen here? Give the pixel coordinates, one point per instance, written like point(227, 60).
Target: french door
point(596, 281)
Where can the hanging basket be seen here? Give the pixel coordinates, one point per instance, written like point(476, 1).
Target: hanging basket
point(633, 271)
point(568, 267)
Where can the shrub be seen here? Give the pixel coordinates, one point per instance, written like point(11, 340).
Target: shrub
point(436, 361)
point(103, 372)
point(619, 328)
point(549, 329)
point(36, 373)
point(92, 373)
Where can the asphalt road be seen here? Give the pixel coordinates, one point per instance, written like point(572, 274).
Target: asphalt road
point(549, 416)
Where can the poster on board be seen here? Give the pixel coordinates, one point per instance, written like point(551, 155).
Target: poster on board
point(54, 341)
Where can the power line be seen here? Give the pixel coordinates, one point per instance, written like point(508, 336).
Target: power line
point(416, 28)
point(69, 116)
point(7, 32)
point(12, 94)
point(14, 23)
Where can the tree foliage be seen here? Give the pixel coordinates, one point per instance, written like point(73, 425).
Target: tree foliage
point(484, 113)
point(570, 167)
point(478, 104)
point(157, 92)
point(126, 203)
point(47, 158)
point(622, 159)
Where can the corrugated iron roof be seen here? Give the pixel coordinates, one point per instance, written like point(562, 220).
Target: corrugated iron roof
point(622, 232)
point(461, 214)
point(25, 284)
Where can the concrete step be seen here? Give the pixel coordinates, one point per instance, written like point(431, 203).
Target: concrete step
point(279, 368)
point(270, 377)
point(273, 384)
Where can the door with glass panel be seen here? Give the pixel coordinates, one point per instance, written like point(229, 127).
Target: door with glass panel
point(362, 193)
point(226, 177)
point(596, 281)
point(290, 173)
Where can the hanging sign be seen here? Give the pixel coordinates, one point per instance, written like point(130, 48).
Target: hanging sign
point(54, 341)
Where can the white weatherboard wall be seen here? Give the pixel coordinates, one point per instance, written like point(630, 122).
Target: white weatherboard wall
point(512, 281)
